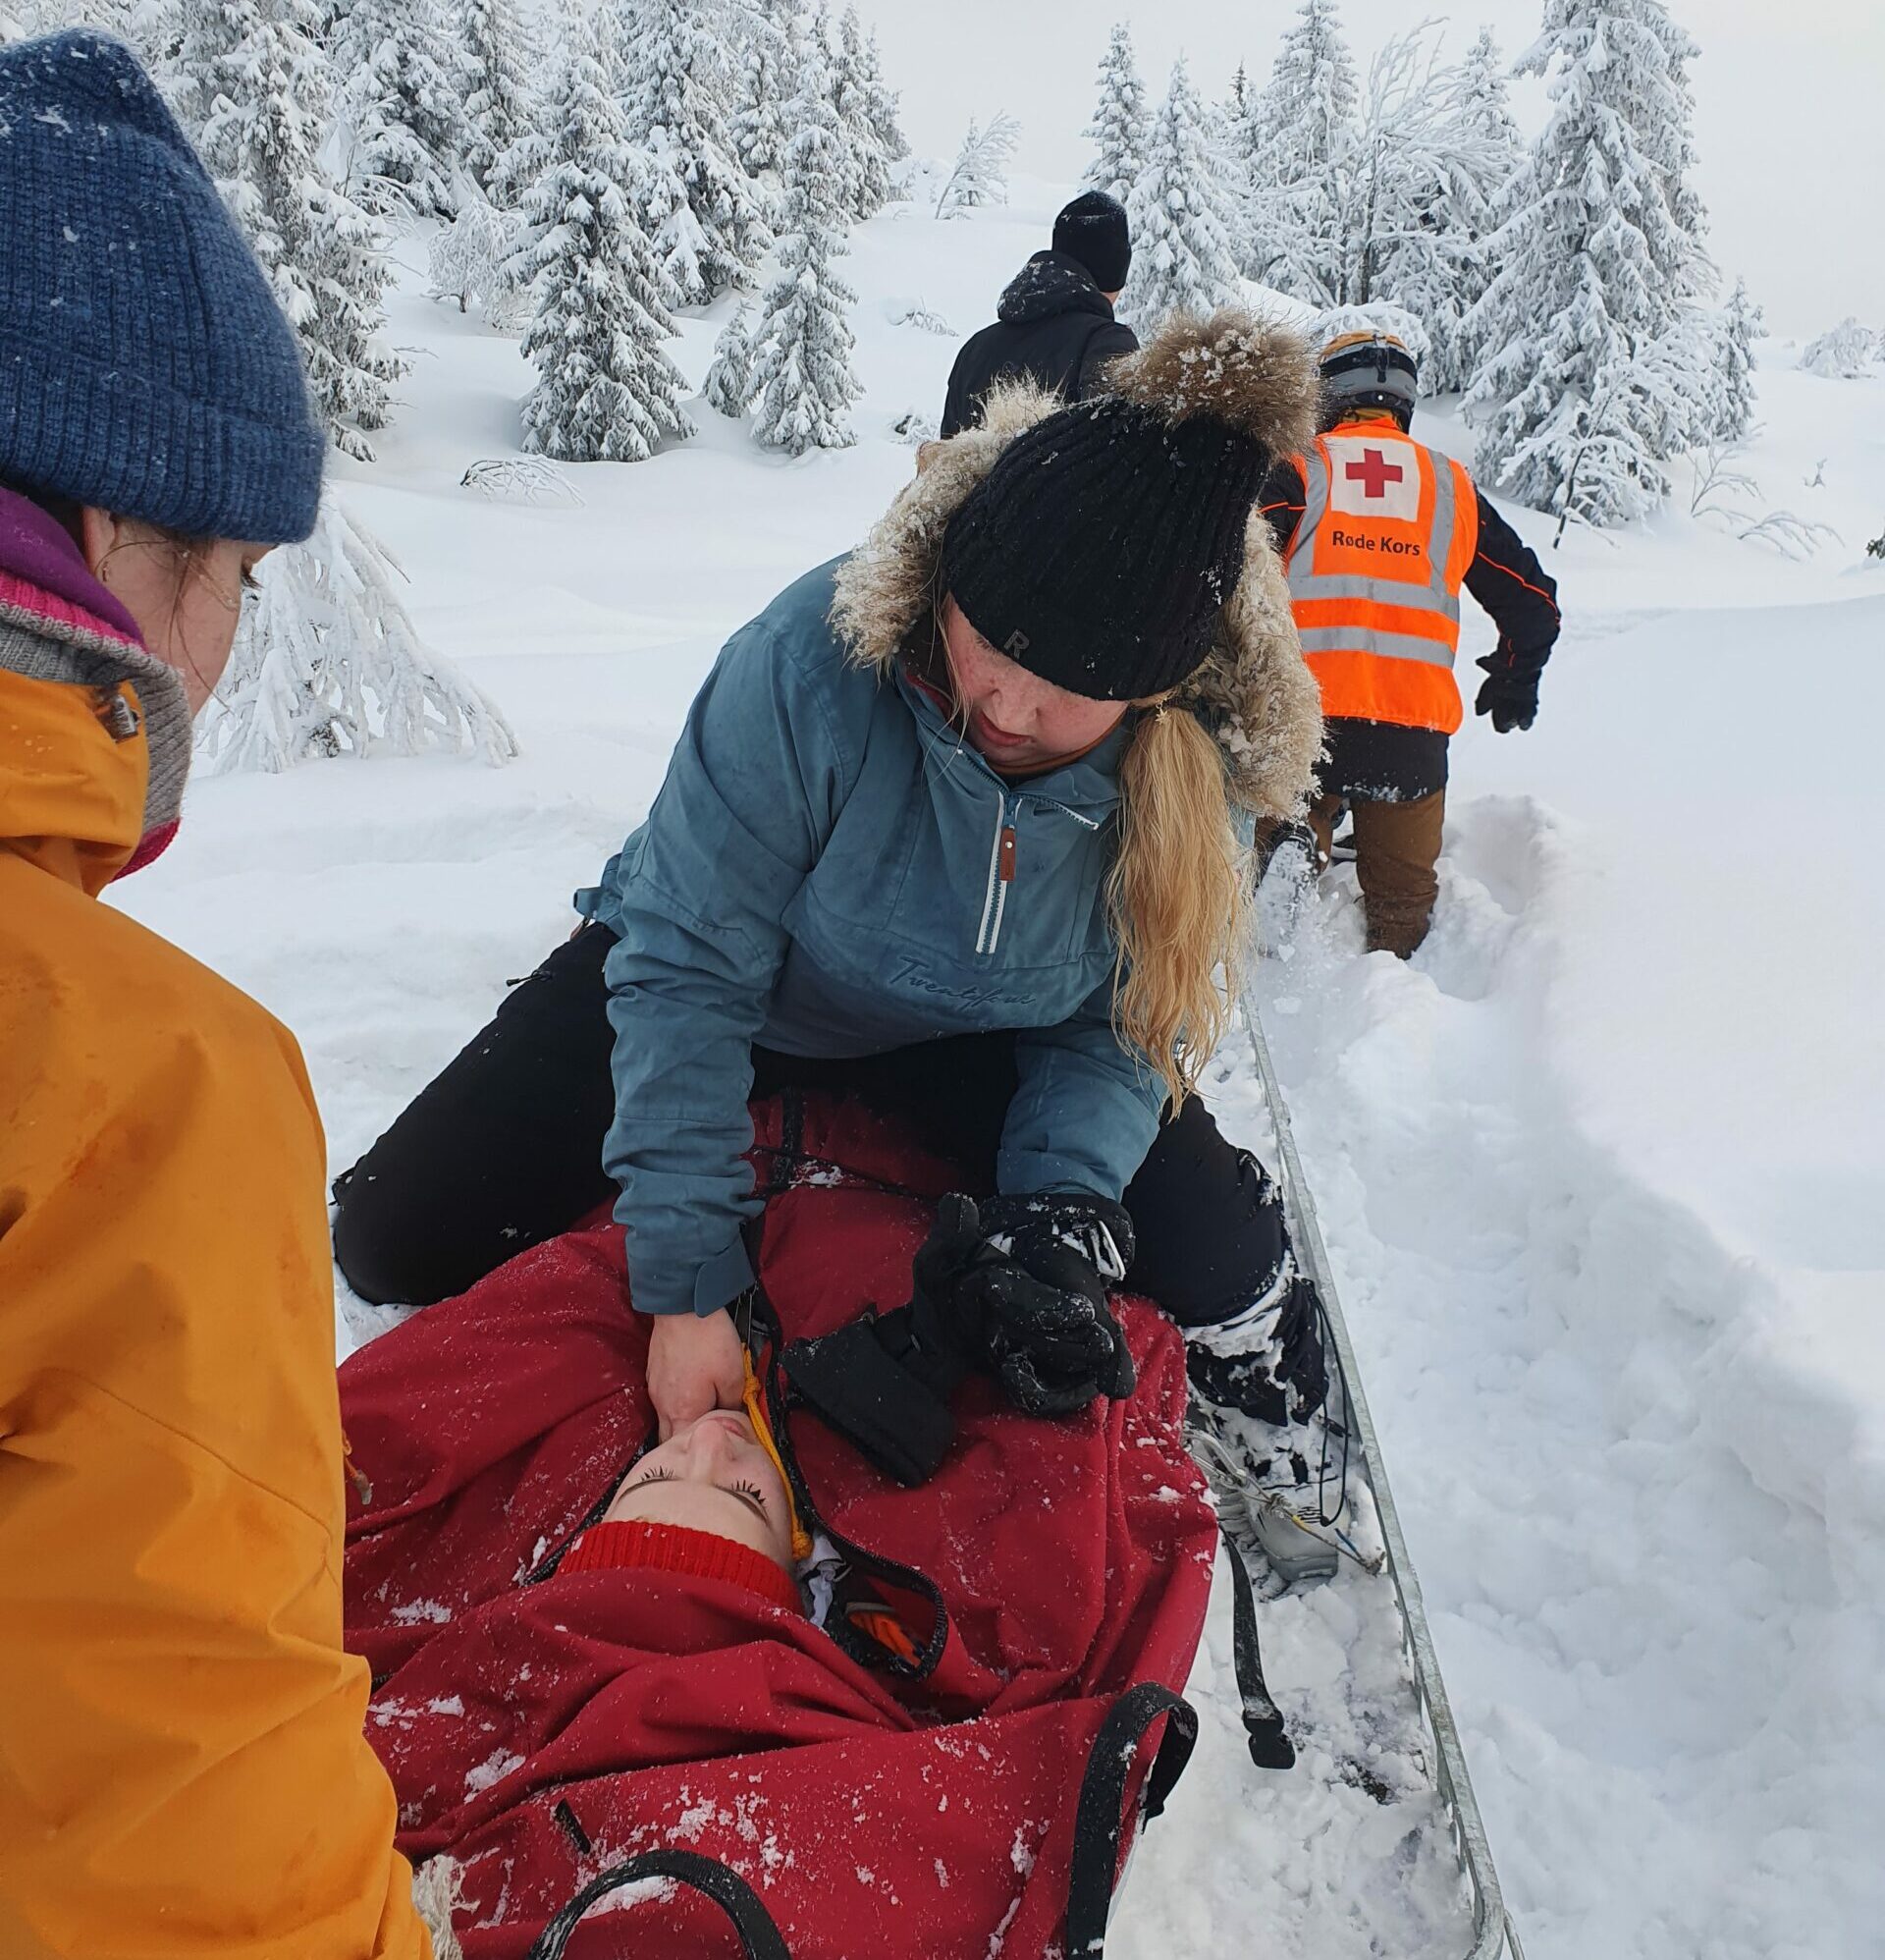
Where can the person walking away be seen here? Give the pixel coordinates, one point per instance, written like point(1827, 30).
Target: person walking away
point(1379, 533)
point(182, 1765)
point(1054, 322)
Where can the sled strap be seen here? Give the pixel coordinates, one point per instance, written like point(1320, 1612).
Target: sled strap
point(1099, 1820)
point(1269, 1745)
point(759, 1937)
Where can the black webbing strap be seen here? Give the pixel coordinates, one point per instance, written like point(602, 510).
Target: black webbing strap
point(1099, 1822)
point(759, 1937)
point(1269, 1745)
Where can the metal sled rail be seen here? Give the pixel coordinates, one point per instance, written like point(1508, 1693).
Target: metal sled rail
point(1493, 1934)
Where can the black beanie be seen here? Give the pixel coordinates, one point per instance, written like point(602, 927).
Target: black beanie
point(1093, 230)
point(1100, 548)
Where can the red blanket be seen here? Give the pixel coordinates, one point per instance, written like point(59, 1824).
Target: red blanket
point(541, 1728)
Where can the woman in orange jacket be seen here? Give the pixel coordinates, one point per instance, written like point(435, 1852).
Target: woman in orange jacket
point(182, 1765)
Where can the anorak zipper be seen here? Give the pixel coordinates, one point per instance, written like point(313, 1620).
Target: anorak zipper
point(1001, 860)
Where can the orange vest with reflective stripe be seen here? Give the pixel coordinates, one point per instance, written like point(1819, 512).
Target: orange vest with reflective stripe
point(1387, 531)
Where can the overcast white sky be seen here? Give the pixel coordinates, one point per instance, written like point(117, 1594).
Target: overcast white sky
point(1790, 108)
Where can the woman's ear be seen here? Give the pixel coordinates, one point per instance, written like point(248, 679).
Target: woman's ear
point(99, 535)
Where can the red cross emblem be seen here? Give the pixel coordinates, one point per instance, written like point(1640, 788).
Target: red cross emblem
point(1375, 472)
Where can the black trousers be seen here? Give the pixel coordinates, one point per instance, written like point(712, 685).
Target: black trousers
point(503, 1150)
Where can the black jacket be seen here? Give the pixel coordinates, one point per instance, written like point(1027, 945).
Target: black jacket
point(1385, 763)
point(1053, 323)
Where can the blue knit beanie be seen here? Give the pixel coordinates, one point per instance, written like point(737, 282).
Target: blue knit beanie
point(144, 365)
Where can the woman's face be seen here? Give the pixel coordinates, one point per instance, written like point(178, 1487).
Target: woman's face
point(1015, 719)
point(711, 1475)
point(188, 601)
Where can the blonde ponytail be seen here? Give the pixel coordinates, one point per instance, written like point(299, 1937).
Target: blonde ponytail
point(1176, 897)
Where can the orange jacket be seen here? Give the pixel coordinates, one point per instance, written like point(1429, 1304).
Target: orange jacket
point(1388, 529)
point(182, 1771)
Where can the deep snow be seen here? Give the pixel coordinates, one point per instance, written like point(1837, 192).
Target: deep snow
point(1602, 1171)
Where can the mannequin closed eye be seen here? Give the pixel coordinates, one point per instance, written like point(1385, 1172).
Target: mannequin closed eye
point(748, 1494)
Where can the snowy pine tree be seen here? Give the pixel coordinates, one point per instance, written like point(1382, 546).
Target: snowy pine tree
point(692, 197)
point(1843, 352)
point(605, 389)
point(867, 175)
point(400, 105)
point(328, 663)
point(1182, 254)
point(1118, 130)
point(728, 387)
point(766, 73)
point(256, 105)
point(884, 100)
point(1740, 325)
point(493, 83)
point(1589, 325)
point(1305, 129)
point(802, 381)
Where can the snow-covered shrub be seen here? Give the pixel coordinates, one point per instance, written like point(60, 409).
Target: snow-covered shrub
point(981, 172)
point(1843, 354)
point(521, 479)
point(474, 258)
point(607, 391)
point(903, 311)
point(728, 387)
point(915, 426)
point(1118, 129)
point(1183, 258)
point(328, 663)
point(802, 381)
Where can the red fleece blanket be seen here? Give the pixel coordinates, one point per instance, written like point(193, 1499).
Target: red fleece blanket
point(543, 1728)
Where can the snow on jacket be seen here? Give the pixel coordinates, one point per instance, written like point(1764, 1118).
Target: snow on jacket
point(822, 874)
point(182, 1767)
point(1052, 325)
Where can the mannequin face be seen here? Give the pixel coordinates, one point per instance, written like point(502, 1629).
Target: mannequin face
point(1014, 718)
point(712, 1475)
point(187, 599)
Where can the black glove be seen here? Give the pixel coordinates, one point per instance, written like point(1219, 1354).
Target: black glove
point(885, 1382)
point(1047, 1331)
point(1509, 693)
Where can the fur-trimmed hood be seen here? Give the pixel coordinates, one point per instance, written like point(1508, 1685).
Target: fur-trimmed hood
point(1253, 691)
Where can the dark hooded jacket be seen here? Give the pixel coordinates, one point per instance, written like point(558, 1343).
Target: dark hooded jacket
point(1053, 325)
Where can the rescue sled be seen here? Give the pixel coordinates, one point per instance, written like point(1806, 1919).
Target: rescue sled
point(1356, 1481)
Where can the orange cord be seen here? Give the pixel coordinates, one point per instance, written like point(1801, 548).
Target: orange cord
point(755, 1400)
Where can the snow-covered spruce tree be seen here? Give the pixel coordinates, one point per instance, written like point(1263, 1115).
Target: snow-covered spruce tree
point(605, 389)
point(328, 663)
point(802, 381)
point(398, 103)
point(766, 73)
point(257, 107)
point(728, 387)
point(1304, 123)
point(1118, 129)
point(473, 259)
point(1739, 326)
point(1182, 254)
point(884, 100)
point(866, 173)
point(980, 173)
point(1581, 391)
point(1843, 352)
point(492, 84)
point(692, 199)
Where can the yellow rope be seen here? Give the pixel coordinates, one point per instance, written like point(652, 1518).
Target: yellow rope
point(763, 1431)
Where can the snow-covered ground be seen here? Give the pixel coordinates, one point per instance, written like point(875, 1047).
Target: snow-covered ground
point(1603, 1171)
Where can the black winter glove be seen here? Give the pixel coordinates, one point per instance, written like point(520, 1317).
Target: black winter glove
point(1508, 693)
point(1047, 1330)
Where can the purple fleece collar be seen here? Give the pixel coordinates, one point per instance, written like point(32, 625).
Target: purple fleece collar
point(37, 550)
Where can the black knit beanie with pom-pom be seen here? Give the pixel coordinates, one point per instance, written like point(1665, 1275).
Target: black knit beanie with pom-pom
point(1101, 547)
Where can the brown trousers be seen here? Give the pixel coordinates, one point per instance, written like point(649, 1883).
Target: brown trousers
point(1396, 848)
